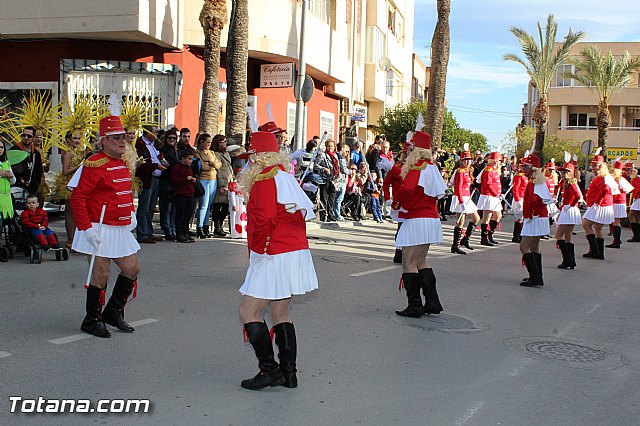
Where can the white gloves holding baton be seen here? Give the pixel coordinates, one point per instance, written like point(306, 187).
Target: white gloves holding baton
point(93, 238)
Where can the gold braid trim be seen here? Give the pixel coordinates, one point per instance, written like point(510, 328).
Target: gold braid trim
point(267, 175)
point(420, 167)
point(572, 181)
point(96, 163)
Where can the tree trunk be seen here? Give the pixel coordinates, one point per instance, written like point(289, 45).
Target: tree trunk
point(603, 121)
point(440, 45)
point(212, 19)
point(237, 58)
point(540, 117)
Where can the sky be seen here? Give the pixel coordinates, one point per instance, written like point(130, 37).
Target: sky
point(486, 93)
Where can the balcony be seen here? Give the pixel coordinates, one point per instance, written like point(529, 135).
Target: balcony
point(151, 21)
point(618, 137)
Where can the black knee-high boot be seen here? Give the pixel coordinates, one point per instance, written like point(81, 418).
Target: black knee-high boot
point(635, 228)
point(484, 236)
point(493, 224)
point(572, 254)
point(412, 285)
point(566, 256)
point(465, 240)
point(269, 374)
point(114, 311)
point(432, 301)
point(517, 228)
point(455, 246)
point(593, 252)
point(535, 271)
point(600, 245)
point(92, 322)
point(287, 352)
point(617, 242)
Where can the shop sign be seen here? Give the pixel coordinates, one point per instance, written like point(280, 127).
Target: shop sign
point(359, 114)
point(623, 153)
point(277, 75)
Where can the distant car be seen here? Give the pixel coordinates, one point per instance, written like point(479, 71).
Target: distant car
point(54, 206)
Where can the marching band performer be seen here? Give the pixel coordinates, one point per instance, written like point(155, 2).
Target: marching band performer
point(599, 206)
point(104, 191)
point(536, 220)
point(569, 215)
point(461, 202)
point(551, 179)
point(518, 186)
point(391, 183)
point(634, 209)
point(490, 202)
point(417, 202)
point(619, 203)
point(280, 263)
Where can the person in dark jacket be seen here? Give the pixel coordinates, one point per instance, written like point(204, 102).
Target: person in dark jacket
point(182, 180)
point(29, 171)
point(170, 157)
point(149, 173)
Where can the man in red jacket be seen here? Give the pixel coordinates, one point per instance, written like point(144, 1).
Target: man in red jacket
point(102, 205)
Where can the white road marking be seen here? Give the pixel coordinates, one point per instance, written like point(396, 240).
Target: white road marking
point(4, 354)
point(76, 337)
point(593, 309)
point(468, 415)
point(525, 362)
point(375, 271)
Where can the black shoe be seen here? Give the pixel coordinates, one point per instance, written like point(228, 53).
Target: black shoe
point(199, 233)
point(95, 327)
point(270, 373)
point(412, 285)
point(205, 232)
point(113, 313)
point(397, 257)
point(169, 236)
point(182, 239)
point(287, 352)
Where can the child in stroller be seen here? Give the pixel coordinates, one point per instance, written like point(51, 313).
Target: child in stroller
point(35, 221)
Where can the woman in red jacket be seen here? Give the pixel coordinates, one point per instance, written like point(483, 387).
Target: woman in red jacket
point(569, 216)
point(619, 203)
point(518, 186)
point(536, 220)
point(489, 201)
point(416, 201)
point(280, 263)
point(462, 204)
point(599, 207)
point(634, 209)
point(391, 183)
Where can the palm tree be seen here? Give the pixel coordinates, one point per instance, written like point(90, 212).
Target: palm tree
point(541, 65)
point(212, 18)
point(607, 75)
point(237, 57)
point(440, 44)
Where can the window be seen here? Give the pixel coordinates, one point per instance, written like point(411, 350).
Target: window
point(394, 85)
point(375, 45)
point(291, 119)
point(636, 122)
point(391, 21)
point(582, 120)
point(327, 123)
point(321, 9)
point(561, 79)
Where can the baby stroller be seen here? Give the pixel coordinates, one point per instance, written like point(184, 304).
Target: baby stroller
point(18, 236)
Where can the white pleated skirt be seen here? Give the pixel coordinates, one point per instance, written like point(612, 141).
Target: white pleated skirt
point(467, 206)
point(117, 242)
point(620, 211)
point(487, 202)
point(599, 214)
point(635, 205)
point(280, 276)
point(419, 231)
point(569, 216)
point(552, 209)
point(536, 227)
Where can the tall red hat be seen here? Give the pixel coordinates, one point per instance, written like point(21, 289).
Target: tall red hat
point(465, 155)
point(629, 165)
point(495, 155)
point(271, 127)
point(551, 165)
point(597, 159)
point(567, 167)
point(532, 160)
point(111, 126)
point(261, 142)
point(618, 165)
point(421, 139)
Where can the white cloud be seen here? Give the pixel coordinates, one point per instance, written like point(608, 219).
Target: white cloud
point(462, 67)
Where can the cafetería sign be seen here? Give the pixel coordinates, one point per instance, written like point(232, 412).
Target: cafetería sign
point(277, 75)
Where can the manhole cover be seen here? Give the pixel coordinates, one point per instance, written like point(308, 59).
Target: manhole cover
point(321, 240)
point(567, 353)
point(444, 323)
point(563, 351)
point(346, 260)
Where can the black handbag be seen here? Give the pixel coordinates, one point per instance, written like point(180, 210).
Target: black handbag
point(199, 189)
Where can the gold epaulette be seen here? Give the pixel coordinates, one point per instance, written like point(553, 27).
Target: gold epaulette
point(572, 181)
point(420, 167)
point(267, 175)
point(97, 162)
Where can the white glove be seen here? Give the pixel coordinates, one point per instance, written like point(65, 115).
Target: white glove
point(255, 259)
point(296, 154)
point(93, 238)
point(388, 203)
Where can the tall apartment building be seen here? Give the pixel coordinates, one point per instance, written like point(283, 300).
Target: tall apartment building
point(573, 108)
point(359, 53)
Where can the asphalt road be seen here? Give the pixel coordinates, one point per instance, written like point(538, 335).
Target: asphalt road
point(500, 354)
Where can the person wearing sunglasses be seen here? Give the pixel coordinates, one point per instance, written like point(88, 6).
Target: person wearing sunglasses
point(29, 171)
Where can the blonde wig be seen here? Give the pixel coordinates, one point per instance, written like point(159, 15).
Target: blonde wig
point(616, 173)
point(261, 161)
point(603, 170)
point(634, 174)
point(414, 156)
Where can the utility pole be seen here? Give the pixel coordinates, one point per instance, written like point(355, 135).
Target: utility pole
point(302, 69)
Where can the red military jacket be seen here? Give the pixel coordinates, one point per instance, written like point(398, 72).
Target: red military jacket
point(393, 180)
point(620, 198)
point(411, 196)
point(462, 184)
point(32, 219)
point(636, 185)
point(599, 193)
point(270, 228)
point(551, 184)
point(571, 194)
point(520, 182)
point(532, 204)
point(490, 182)
point(104, 180)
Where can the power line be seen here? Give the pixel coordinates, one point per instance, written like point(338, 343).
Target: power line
point(487, 111)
